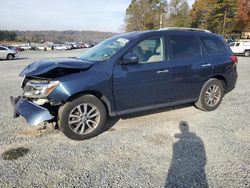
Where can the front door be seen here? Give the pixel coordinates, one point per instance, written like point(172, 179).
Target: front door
point(145, 84)
point(237, 48)
point(3, 53)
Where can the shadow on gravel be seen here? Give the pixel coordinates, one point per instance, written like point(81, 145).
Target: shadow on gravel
point(15, 153)
point(189, 159)
point(111, 121)
point(16, 59)
point(19, 58)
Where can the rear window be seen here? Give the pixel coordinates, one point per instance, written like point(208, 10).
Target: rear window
point(213, 45)
point(184, 46)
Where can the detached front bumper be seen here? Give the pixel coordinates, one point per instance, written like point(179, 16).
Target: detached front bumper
point(33, 113)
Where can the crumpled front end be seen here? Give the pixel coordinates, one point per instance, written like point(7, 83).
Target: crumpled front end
point(41, 79)
point(33, 113)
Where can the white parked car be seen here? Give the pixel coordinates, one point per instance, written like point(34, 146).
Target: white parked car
point(42, 48)
point(241, 47)
point(60, 47)
point(7, 53)
point(25, 47)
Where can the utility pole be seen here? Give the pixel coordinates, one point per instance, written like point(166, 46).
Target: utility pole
point(224, 23)
point(161, 20)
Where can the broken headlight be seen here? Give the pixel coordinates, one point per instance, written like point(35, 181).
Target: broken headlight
point(39, 88)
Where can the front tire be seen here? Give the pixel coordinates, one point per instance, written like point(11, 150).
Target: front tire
point(211, 95)
point(10, 56)
point(82, 118)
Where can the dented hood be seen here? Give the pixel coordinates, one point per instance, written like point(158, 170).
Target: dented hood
point(44, 66)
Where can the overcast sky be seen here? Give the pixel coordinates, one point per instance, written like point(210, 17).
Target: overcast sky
point(98, 15)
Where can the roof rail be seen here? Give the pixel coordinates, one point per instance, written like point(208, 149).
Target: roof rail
point(185, 28)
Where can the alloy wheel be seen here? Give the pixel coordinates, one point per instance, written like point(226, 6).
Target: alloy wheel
point(84, 118)
point(213, 95)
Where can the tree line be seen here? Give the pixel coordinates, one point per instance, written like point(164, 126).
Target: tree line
point(219, 16)
point(54, 36)
point(8, 35)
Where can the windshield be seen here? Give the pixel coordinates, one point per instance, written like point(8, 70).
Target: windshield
point(231, 45)
point(104, 50)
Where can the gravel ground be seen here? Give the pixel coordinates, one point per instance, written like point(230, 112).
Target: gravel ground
point(157, 149)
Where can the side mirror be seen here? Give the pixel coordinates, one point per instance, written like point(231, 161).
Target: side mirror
point(130, 58)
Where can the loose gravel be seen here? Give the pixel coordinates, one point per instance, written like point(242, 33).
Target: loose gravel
point(163, 148)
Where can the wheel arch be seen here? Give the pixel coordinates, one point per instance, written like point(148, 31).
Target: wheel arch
point(10, 54)
point(222, 79)
point(246, 50)
point(98, 95)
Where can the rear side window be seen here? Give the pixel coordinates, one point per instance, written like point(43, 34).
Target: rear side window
point(1, 48)
point(184, 46)
point(213, 45)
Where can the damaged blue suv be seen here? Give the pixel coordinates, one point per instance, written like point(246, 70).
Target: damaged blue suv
point(124, 74)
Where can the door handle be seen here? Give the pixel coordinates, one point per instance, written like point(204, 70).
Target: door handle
point(162, 71)
point(206, 65)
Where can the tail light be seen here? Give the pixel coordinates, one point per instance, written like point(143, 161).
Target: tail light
point(234, 59)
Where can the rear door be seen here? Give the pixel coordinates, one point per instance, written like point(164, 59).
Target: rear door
point(220, 54)
point(245, 46)
point(191, 67)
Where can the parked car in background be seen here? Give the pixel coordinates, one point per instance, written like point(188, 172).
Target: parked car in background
point(86, 45)
point(25, 47)
point(241, 47)
point(127, 73)
point(60, 47)
point(7, 53)
point(69, 46)
point(11, 48)
point(16, 47)
point(40, 47)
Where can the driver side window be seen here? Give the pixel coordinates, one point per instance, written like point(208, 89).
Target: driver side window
point(149, 50)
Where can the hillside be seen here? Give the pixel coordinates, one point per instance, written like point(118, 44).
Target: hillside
point(60, 36)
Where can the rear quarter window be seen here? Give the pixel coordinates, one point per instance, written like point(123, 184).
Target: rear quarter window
point(213, 45)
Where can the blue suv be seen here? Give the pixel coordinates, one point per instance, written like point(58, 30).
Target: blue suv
point(124, 74)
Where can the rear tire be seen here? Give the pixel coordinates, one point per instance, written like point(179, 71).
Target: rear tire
point(247, 53)
point(10, 56)
point(82, 118)
point(211, 95)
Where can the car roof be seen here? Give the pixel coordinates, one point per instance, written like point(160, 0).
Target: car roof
point(3, 46)
point(138, 34)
